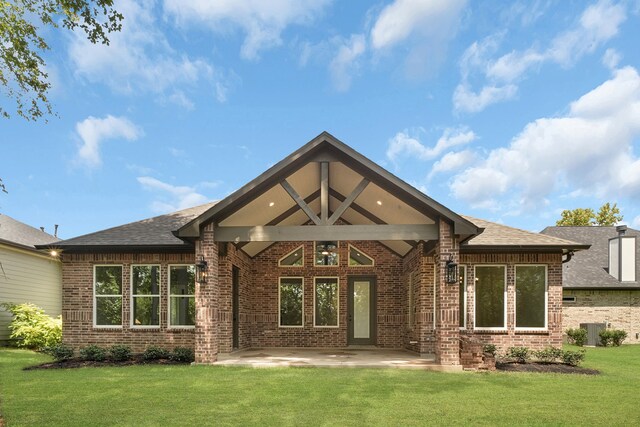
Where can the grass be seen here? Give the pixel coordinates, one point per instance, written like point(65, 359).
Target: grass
point(206, 395)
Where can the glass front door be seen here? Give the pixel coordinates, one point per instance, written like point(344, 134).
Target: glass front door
point(361, 311)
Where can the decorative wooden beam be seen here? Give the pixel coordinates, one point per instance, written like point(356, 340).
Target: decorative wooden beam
point(303, 233)
point(324, 192)
point(348, 201)
point(300, 201)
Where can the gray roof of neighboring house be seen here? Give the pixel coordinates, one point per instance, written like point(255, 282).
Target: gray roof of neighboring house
point(16, 233)
point(152, 233)
point(589, 269)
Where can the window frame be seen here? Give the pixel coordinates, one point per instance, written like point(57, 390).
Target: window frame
point(132, 296)
point(280, 325)
point(546, 298)
point(465, 304)
point(366, 255)
point(95, 296)
point(301, 247)
point(169, 294)
point(315, 242)
point(475, 299)
point(315, 282)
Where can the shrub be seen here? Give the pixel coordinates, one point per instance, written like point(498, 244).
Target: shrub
point(549, 354)
point(573, 358)
point(60, 352)
point(490, 348)
point(605, 337)
point(577, 336)
point(613, 337)
point(155, 353)
point(94, 353)
point(120, 353)
point(32, 328)
point(520, 354)
point(183, 354)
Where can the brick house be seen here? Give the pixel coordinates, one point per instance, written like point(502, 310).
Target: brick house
point(602, 284)
point(324, 249)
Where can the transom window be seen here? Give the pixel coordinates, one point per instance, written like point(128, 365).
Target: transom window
point(182, 302)
point(145, 295)
point(295, 258)
point(291, 297)
point(462, 272)
point(490, 297)
point(358, 258)
point(326, 253)
point(107, 291)
point(326, 302)
point(531, 296)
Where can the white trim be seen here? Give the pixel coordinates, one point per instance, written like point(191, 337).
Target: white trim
point(315, 279)
point(301, 247)
point(463, 287)
point(169, 325)
point(475, 299)
point(95, 306)
point(132, 296)
point(373, 261)
point(337, 254)
point(280, 325)
point(546, 298)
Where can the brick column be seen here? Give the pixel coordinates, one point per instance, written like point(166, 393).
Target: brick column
point(447, 308)
point(206, 335)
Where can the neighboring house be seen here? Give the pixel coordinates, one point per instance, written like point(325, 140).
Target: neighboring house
point(26, 273)
point(596, 288)
point(324, 249)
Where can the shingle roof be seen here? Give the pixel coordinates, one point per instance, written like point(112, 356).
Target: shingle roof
point(588, 269)
point(502, 236)
point(153, 232)
point(18, 233)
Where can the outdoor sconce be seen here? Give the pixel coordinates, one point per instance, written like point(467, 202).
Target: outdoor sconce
point(201, 270)
point(452, 271)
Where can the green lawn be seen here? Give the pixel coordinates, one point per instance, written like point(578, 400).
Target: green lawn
point(205, 395)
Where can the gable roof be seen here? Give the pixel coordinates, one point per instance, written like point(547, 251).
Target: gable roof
point(19, 234)
point(588, 269)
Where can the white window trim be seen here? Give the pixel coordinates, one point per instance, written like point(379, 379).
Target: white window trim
point(132, 296)
point(301, 247)
point(373, 261)
point(95, 305)
point(169, 294)
point(315, 280)
point(475, 277)
point(326, 266)
point(280, 325)
point(546, 298)
point(464, 298)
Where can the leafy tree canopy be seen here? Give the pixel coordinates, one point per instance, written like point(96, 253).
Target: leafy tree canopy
point(607, 215)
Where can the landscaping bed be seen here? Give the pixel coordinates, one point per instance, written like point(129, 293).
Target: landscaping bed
point(555, 368)
point(81, 363)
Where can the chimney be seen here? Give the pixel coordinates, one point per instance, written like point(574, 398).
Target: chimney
point(55, 230)
point(621, 229)
point(622, 256)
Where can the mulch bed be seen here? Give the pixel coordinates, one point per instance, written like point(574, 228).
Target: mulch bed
point(79, 363)
point(557, 368)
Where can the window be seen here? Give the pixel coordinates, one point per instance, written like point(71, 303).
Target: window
point(411, 318)
point(568, 299)
point(326, 253)
point(531, 296)
point(326, 302)
point(295, 258)
point(291, 296)
point(490, 297)
point(107, 295)
point(145, 295)
point(358, 258)
point(182, 302)
point(462, 272)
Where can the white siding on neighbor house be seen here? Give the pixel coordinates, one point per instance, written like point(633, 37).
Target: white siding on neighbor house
point(28, 277)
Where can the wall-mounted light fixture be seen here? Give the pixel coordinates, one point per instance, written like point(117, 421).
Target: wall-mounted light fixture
point(201, 270)
point(452, 271)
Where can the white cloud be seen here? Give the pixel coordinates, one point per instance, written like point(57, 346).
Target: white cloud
point(262, 21)
point(172, 197)
point(636, 222)
point(404, 145)
point(346, 63)
point(589, 151)
point(611, 58)
point(465, 99)
point(452, 161)
point(94, 131)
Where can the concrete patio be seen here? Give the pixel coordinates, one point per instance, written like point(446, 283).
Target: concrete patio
point(350, 357)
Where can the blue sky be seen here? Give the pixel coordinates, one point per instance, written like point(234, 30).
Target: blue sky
point(507, 111)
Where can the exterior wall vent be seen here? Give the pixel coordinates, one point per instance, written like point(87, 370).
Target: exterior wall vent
point(622, 256)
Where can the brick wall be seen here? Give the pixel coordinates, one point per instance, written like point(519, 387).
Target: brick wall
point(621, 309)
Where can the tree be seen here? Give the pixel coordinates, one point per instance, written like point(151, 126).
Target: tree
point(23, 75)
point(607, 215)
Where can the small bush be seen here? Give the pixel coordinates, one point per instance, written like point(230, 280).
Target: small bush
point(60, 352)
point(549, 354)
point(32, 328)
point(577, 336)
point(94, 353)
point(573, 358)
point(520, 354)
point(120, 353)
point(613, 337)
point(155, 353)
point(183, 355)
point(490, 348)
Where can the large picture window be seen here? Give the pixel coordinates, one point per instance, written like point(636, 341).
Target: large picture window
point(326, 301)
point(182, 289)
point(531, 296)
point(490, 298)
point(291, 296)
point(462, 271)
point(145, 295)
point(107, 291)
